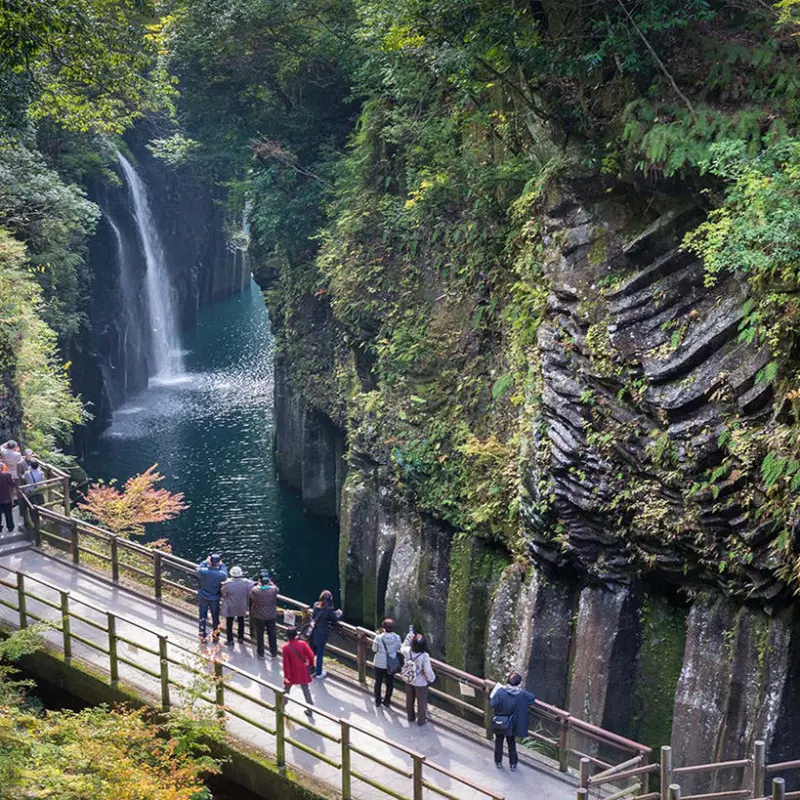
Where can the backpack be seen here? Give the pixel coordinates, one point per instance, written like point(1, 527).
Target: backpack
point(410, 669)
point(395, 663)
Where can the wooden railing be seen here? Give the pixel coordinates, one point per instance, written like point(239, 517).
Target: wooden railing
point(169, 657)
point(754, 771)
point(554, 731)
point(601, 758)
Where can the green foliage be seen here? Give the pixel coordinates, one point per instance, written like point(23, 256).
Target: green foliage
point(49, 409)
point(91, 65)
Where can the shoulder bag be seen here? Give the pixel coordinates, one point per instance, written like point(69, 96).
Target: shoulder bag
point(394, 664)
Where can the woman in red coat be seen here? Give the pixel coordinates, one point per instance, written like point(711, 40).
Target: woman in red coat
point(298, 660)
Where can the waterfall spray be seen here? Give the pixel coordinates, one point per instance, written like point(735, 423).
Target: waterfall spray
point(164, 342)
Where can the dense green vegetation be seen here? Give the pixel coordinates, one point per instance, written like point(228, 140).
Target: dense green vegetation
point(392, 158)
point(394, 155)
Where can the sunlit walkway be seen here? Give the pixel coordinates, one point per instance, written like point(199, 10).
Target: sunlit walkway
point(466, 757)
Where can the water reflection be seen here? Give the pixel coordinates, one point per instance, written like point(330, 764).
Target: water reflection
point(210, 430)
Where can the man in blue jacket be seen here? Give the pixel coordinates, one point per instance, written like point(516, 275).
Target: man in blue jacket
point(211, 574)
point(510, 704)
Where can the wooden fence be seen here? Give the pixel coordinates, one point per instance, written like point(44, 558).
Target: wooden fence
point(554, 732)
point(166, 658)
point(601, 759)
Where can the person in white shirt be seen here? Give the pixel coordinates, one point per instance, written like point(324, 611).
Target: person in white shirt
point(418, 673)
point(385, 646)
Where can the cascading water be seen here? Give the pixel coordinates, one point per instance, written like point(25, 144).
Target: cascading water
point(164, 342)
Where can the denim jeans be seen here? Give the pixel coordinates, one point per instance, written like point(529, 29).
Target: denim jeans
point(205, 607)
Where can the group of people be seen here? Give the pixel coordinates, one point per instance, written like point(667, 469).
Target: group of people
point(232, 596)
point(19, 471)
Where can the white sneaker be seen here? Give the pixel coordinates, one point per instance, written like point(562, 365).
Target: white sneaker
point(322, 675)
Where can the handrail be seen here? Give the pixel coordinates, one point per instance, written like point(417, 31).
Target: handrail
point(420, 761)
point(157, 561)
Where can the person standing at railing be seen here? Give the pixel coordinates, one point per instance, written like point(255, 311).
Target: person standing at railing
point(11, 457)
point(235, 603)
point(510, 719)
point(211, 574)
point(418, 674)
point(386, 646)
point(6, 499)
point(264, 613)
point(322, 617)
point(32, 476)
point(298, 661)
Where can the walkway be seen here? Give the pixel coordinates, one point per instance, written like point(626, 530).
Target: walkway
point(464, 757)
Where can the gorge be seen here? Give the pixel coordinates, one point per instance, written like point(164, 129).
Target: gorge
point(522, 338)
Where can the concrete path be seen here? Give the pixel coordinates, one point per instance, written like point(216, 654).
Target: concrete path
point(465, 757)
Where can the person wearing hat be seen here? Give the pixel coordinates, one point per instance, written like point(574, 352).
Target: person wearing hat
point(264, 613)
point(235, 601)
point(211, 574)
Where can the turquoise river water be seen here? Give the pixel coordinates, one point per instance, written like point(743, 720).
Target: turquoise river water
point(210, 432)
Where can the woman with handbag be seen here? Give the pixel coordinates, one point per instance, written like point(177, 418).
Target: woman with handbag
point(418, 673)
point(510, 719)
point(387, 661)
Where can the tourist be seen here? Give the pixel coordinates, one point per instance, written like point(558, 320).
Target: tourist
point(6, 499)
point(386, 646)
point(30, 480)
point(510, 704)
point(235, 603)
point(298, 661)
point(322, 617)
point(418, 673)
point(11, 457)
point(264, 613)
point(211, 573)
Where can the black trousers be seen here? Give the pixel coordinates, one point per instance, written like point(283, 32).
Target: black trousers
point(5, 510)
point(383, 677)
point(271, 627)
point(498, 749)
point(229, 628)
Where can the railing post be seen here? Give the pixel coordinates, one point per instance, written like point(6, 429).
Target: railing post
point(37, 526)
point(157, 574)
point(362, 657)
point(759, 764)
point(563, 744)
point(778, 789)
point(674, 792)
point(666, 771)
point(162, 654)
point(418, 785)
point(583, 781)
point(113, 663)
point(583, 794)
point(65, 490)
point(73, 536)
point(487, 713)
point(21, 606)
point(65, 627)
point(219, 688)
point(345, 737)
point(280, 729)
point(114, 559)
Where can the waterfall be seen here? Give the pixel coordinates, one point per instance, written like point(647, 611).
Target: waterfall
point(131, 332)
point(164, 342)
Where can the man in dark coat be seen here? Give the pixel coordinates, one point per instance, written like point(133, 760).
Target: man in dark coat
point(6, 499)
point(264, 613)
point(510, 702)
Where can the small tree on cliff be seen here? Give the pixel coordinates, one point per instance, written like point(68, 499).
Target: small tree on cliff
point(126, 512)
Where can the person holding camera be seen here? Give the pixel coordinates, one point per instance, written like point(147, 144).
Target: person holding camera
point(510, 718)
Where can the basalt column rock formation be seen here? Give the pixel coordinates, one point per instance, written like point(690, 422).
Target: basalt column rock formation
point(642, 591)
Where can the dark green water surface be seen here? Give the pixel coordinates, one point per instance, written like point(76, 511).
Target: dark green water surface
point(210, 431)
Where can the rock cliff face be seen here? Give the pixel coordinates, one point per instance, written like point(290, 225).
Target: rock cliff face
point(111, 364)
point(644, 596)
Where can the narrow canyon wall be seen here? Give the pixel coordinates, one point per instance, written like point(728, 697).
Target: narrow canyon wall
point(638, 596)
